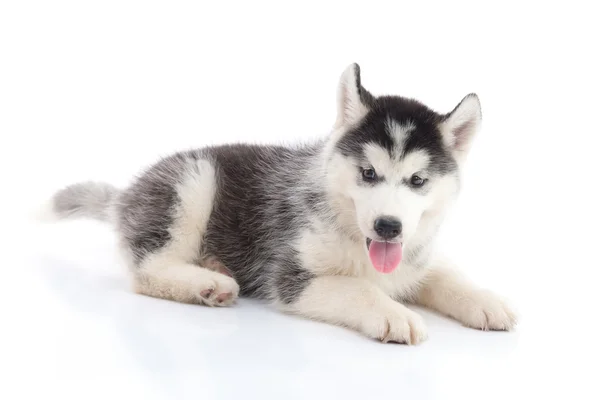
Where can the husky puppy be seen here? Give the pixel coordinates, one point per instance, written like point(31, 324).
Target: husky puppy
point(339, 231)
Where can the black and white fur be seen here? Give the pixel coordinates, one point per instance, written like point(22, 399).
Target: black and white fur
point(291, 224)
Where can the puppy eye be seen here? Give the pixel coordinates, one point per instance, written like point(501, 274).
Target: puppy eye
point(416, 181)
point(369, 175)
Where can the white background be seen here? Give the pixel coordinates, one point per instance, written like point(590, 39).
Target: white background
point(98, 90)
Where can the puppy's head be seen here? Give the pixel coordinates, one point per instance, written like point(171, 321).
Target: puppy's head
point(394, 159)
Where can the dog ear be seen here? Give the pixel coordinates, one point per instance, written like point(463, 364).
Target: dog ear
point(460, 126)
point(353, 100)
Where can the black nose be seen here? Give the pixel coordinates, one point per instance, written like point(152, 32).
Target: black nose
point(388, 227)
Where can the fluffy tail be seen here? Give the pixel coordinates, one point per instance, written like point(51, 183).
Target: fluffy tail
point(81, 200)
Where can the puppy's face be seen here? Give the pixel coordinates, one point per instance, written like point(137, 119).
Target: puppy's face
point(395, 159)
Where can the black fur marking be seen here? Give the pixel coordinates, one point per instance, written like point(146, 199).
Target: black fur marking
point(371, 130)
point(426, 136)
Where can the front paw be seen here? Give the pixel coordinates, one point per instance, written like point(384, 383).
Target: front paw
point(395, 323)
point(485, 310)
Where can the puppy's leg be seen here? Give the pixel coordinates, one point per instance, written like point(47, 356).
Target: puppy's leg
point(446, 291)
point(186, 283)
point(162, 220)
point(358, 304)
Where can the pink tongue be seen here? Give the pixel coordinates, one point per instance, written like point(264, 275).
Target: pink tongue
point(385, 257)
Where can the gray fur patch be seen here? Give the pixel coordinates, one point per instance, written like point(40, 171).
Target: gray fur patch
point(84, 200)
point(291, 280)
point(258, 213)
point(145, 210)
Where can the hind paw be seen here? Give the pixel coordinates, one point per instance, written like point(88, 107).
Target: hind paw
point(220, 291)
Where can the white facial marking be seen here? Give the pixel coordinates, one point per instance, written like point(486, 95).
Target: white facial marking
point(392, 196)
point(398, 132)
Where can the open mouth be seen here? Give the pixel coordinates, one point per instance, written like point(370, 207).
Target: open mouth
point(385, 256)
